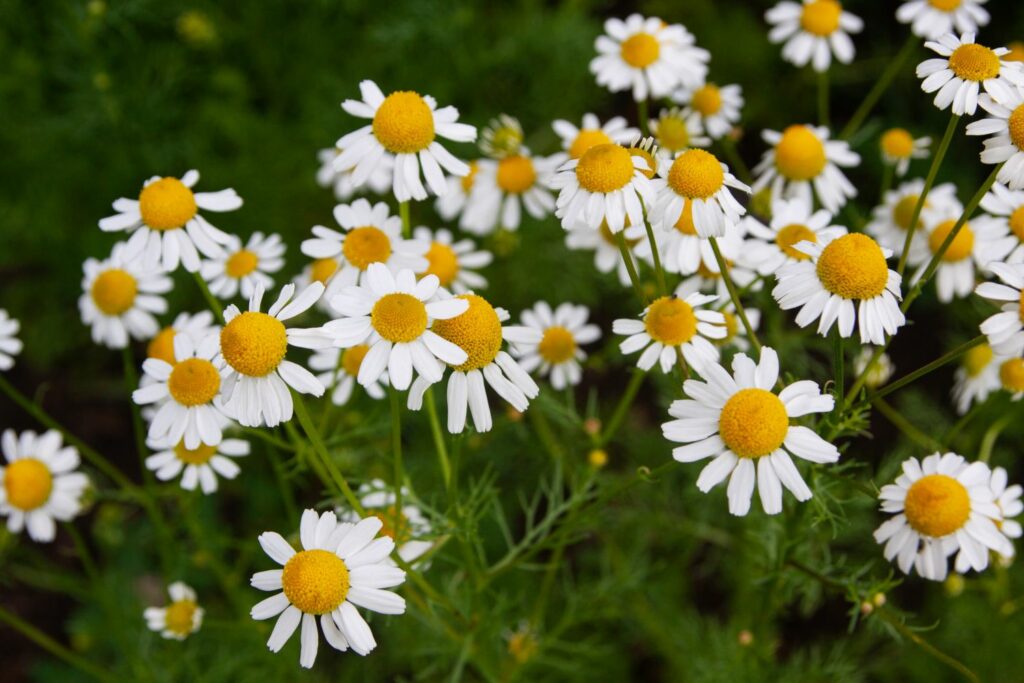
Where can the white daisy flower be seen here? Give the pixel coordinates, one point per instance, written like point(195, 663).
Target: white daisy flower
point(502, 137)
point(803, 162)
point(1007, 499)
point(739, 419)
point(404, 130)
point(697, 182)
point(891, 219)
point(325, 271)
point(10, 345)
point(606, 247)
point(841, 271)
point(898, 147)
point(670, 326)
point(503, 187)
point(676, 131)
point(454, 263)
point(647, 56)
point(197, 466)
point(181, 618)
point(1006, 130)
point(557, 354)
point(881, 371)
point(254, 345)
point(480, 332)
point(392, 314)
point(379, 181)
point(409, 528)
point(1007, 207)
point(370, 235)
point(452, 203)
point(38, 484)
point(338, 370)
point(963, 69)
point(977, 377)
point(684, 251)
point(813, 32)
point(606, 184)
point(120, 296)
point(941, 505)
point(931, 19)
point(718, 107)
point(1005, 330)
point(576, 141)
point(772, 246)
point(341, 566)
point(240, 268)
point(196, 326)
point(165, 225)
point(708, 279)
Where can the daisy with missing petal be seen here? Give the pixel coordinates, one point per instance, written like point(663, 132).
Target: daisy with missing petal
point(671, 326)
point(197, 466)
point(977, 377)
point(10, 345)
point(1005, 330)
point(408, 528)
point(891, 219)
point(647, 56)
point(392, 314)
point(697, 182)
point(804, 162)
point(898, 147)
point(772, 246)
point(370, 235)
point(253, 345)
point(1007, 207)
point(931, 19)
point(964, 67)
point(740, 421)
point(341, 566)
point(181, 618)
point(557, 354)
point(165, 225)
point(606, 184)
point(1006, 130)
point(240, 268)
point(1007, 499)
point(120, 296)
point(605, 246)
point(38, 484)
point(576, 141)
point(503, 187)
point(813, 32)
point(453, 263)
point(676, 131)
point(338, 370)
point(718, 107)
point(379, 181)
point(941, 505)
point(404, 130)
point(842, 271)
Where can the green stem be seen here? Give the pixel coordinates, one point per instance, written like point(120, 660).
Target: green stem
point(988, 441)
point(53, 647)
point(88, 564)
point(723, 267)
point(627, 258)
point(325, 459)
point(823, 98)
point(641, 113)
point(623, 406)
point(938, 654)
point(283, 485)
point(888, 170)
point(439, 443)
point(838, 369)
point(659, 272)
point(925, 369)
point(878, 89)
point(902, 424)
point(211, 300)
point(403, 211)
point(396, 446)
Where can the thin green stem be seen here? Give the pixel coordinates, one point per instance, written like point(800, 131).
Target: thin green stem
point(838, 369)
point(319, 450)
point(82, 549)
point(396, 447)
point(988, 442)
point(403, 211)
point(642, 115)
point(878, 89)
point(53, 647)
point(211, 300)
point(926, 369)
point(904, 630)
point(622, 408)
point(723, 268)
point(823, 98)
point(888, 170)
point(659, 272)
point(283, 485)
point(901, 423)
point(439, 442)
point(627, 258)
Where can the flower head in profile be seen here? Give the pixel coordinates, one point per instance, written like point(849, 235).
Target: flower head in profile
point(962, 69)
point(931, 19)
point(198, 466)
point(772, 246)
point(804, 163)
point(503, 188)
point(10, 345)
point(977, 377)
point(716, 106)
point(557, 354)
point(671, 328)
point(890, 220)
point(242, 267)
point(608, 184)
point(179, 619)
point(698, 184)
point(379, 181)
point(409, 528)
point(1005, 128)
point(577, 140)
point(813, 32)
point(898, 147)
point(454, 262)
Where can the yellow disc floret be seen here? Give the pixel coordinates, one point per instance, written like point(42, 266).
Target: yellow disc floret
point(605, 168)
point(897, 143)
point(477, 332)
point(516, 174)
point(696, 174)
point(180, 617)
point(322, 269)
point(1011, 375)
point(672, 133)
point(241, 263)
point(315, 581)
point(800, 154)
point(162, 346)
point(961, 246)
point(977, 359)
point(685, 223)
point(937, 505)
point(753, 423)
point(1017, 222)
point(352, 358)
point(903, 212)
point(671, 321)
point(254, 343)
point(945, 5)
point(193, 382)
point(652, 163)
point(396, 525)
point(1016, 127)
point(194, 456)
point(973, 62)
point(794, 234)
point(28, 483)
point(821, 17)
point(707, 100)
point(557, 345)
point(167, 204)
point(640, 50)
point(113, 291)
point(399, 318)
point(404, 123)
point(587, 138)
point(366, 245)
point(443, 262)
point(853, 266)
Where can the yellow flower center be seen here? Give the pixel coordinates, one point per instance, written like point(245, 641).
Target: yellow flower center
point(640, 50)
point(193, 382)
point(443, 262)
point(961, 246)
point(973, 62)
point(522, 646)
point(897, 143)
point(113, 291)
point(671, 321)
point(652, 163)
point(28, 483)
point(945, 5)
point(352, 359)
point(315, 581)
point(404, 123)
point(1016, 125)
point(936, 505)
point(605, 168)
point(477, 332)
point(853, 267)
point(366, 245)
point(821, 17)
point(903, 212)
point(162, 346)
point(672, 133)
point(254, 343)
point(685, 223)
point(977, 358)
point(587, 138)
point(166, 204)
point(557, 345)
point(469, 178)
point(322, 269)
point(396, 525)
point(753, 423)
point(194, 456)
point(707, 100)
point(516, 174)
point(1016, 53)
point(399, 318)
point(179, 616)
point(610, 238)
point(696, 174)
point(800, 155)
point(1017, 222)
point(731, 328)
point(1011, 375)
point(794, 234)
point(241, 263)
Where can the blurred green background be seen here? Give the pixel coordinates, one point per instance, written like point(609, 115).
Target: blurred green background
point(97, 96)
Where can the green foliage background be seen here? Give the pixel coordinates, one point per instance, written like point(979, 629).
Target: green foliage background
point(658, 582)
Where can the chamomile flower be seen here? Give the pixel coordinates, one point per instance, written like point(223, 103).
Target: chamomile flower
point(898, 147)
point(453, 262)
point(1006, 130)
point(813, 32)
point(10, 345)
point(479, 330)
point(341, 566)
point(891, 219)
point(1007, 499)
point(647, 56)
point(697, 182)
point(841, 271)
point(718, 107)
point(931, 19)
point(181, 618)
point(977, 377)
point(684, 251)
point(608, 184)
point(408, 528)
point(502, 137)
point(676, 131)
point(740, 421)
point(197, 466)
point(772, 246)
point(240, 268)
point(606, 247)
point(452, 203)
point(338, 370)
point(708, 278)
point(404, 130)
point(881, 371)
point(735, 332)
point(379, 181)
point(557, 354)
point(671, 326)
point(370, 235)
point(1011, 377)
point(804, 162)
point(165, 225)
point(942, 505)
point(120, 296)
point(196, 326)
point(39, 485)
point(325, 271)
point(1007, 207)
point(1005, 330)
point(963, 69)
point(392, 314)
point(576, 141)
point(503, 187)
point(253, 345)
